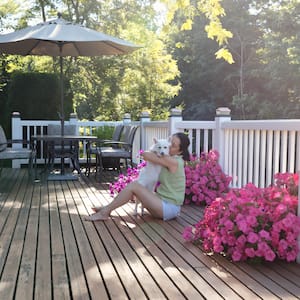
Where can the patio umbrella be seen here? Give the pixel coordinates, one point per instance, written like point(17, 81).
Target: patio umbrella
point(62, 38)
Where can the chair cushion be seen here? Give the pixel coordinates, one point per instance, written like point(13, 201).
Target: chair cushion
point(3, 140)
point(10, 153)
point(116, 153)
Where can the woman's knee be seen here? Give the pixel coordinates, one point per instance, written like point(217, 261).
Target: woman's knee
point(134, 186)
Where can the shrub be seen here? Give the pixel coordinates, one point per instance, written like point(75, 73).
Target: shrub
point(104, 132)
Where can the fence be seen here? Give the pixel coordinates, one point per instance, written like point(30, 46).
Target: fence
point(250, 151)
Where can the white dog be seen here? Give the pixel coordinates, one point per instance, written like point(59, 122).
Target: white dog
point(148, 176)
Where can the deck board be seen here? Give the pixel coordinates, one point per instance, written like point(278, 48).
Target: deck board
point(48, 251)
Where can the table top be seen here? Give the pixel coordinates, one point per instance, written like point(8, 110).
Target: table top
point(63, 137)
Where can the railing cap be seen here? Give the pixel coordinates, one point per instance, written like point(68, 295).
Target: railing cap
point(73, 116)
point(145, 114)
point(223, 111)
point(15, 114)
point(175, 112)
point(127, 116)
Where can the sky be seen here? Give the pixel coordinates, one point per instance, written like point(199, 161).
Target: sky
point(158, 6)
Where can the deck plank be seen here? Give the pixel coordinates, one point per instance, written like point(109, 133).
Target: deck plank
point(15, 234)
point(43, 288)
point(48, 251)
point(60, 280)
point(79, 288)
point(25, 284)
point(102, 261)
point(92, 275)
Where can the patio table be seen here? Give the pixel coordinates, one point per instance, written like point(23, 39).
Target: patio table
point(72, 140)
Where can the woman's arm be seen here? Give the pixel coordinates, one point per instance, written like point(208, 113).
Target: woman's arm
point(166, 161)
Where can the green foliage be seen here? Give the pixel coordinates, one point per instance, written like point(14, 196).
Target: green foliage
point(107, 87)
point(213, 11)
point(202, 76)
point(177, 66)
point(104, 132)
point(264, 80)
point(37, 96)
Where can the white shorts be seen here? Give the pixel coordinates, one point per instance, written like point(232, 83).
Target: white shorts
point(170, 210)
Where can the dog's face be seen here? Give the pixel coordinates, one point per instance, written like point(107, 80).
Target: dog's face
point(160, 147)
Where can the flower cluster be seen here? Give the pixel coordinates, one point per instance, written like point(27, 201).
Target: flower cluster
point(251, 223)
point(205, 180)
point(289, 181)
point(131, 175)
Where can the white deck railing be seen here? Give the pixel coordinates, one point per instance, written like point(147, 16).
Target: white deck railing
point(250, 151)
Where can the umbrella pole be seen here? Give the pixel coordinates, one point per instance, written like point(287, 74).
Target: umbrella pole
point(62, 117)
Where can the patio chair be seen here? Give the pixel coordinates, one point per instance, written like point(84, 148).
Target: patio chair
point(92, 148)
point(55, 149)
point(9, 153)
point(118, 150)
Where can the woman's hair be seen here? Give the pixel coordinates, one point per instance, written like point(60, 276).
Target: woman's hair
point(184, 145)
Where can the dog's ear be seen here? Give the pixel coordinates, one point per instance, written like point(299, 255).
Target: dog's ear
point(155, 140)
point(169, 139)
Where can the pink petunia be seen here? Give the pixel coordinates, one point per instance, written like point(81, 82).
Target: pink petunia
point(252, 237)
point(264, 234)
point(236, 255)
point(250, 252)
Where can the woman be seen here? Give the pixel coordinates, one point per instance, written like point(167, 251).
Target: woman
point(166, 202)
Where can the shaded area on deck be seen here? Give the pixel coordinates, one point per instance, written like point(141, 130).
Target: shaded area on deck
point(47, 251)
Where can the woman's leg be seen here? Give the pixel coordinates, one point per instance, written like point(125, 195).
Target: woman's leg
point(149, 200)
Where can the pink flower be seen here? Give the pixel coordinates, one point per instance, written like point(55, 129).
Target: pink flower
point(228, 225)
point(252, 222)
point(250, 252)
point(236, 255)
point(264, 234)
point(188, 234)
point(269, 255)
point(205, 179)
point(252, 237)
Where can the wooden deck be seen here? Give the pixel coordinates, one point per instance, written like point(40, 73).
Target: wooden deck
point(47, 251)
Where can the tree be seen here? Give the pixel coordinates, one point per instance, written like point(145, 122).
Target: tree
point(202, 76)
point(262, 83)
point(280, 56)
point(213, 11)
point(106, 87)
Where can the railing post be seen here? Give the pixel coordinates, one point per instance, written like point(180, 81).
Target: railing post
point(175, 116)
point(127, 119)
point(74, 121)
point(145, 117)
point(16, 134)
point(222, 115)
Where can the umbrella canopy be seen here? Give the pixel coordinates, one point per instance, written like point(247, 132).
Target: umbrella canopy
point(62, 38)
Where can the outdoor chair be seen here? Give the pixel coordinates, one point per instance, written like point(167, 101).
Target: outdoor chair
point(121, 150)
point(9, 153)
point(59, 149)
point(92, 149)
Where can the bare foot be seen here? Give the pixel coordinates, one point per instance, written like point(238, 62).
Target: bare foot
point(96, 208)
point(98, 216)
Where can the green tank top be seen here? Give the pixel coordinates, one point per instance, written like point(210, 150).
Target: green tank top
point(172, 185)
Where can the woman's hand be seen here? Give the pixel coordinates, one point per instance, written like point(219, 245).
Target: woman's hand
point(165, 160)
